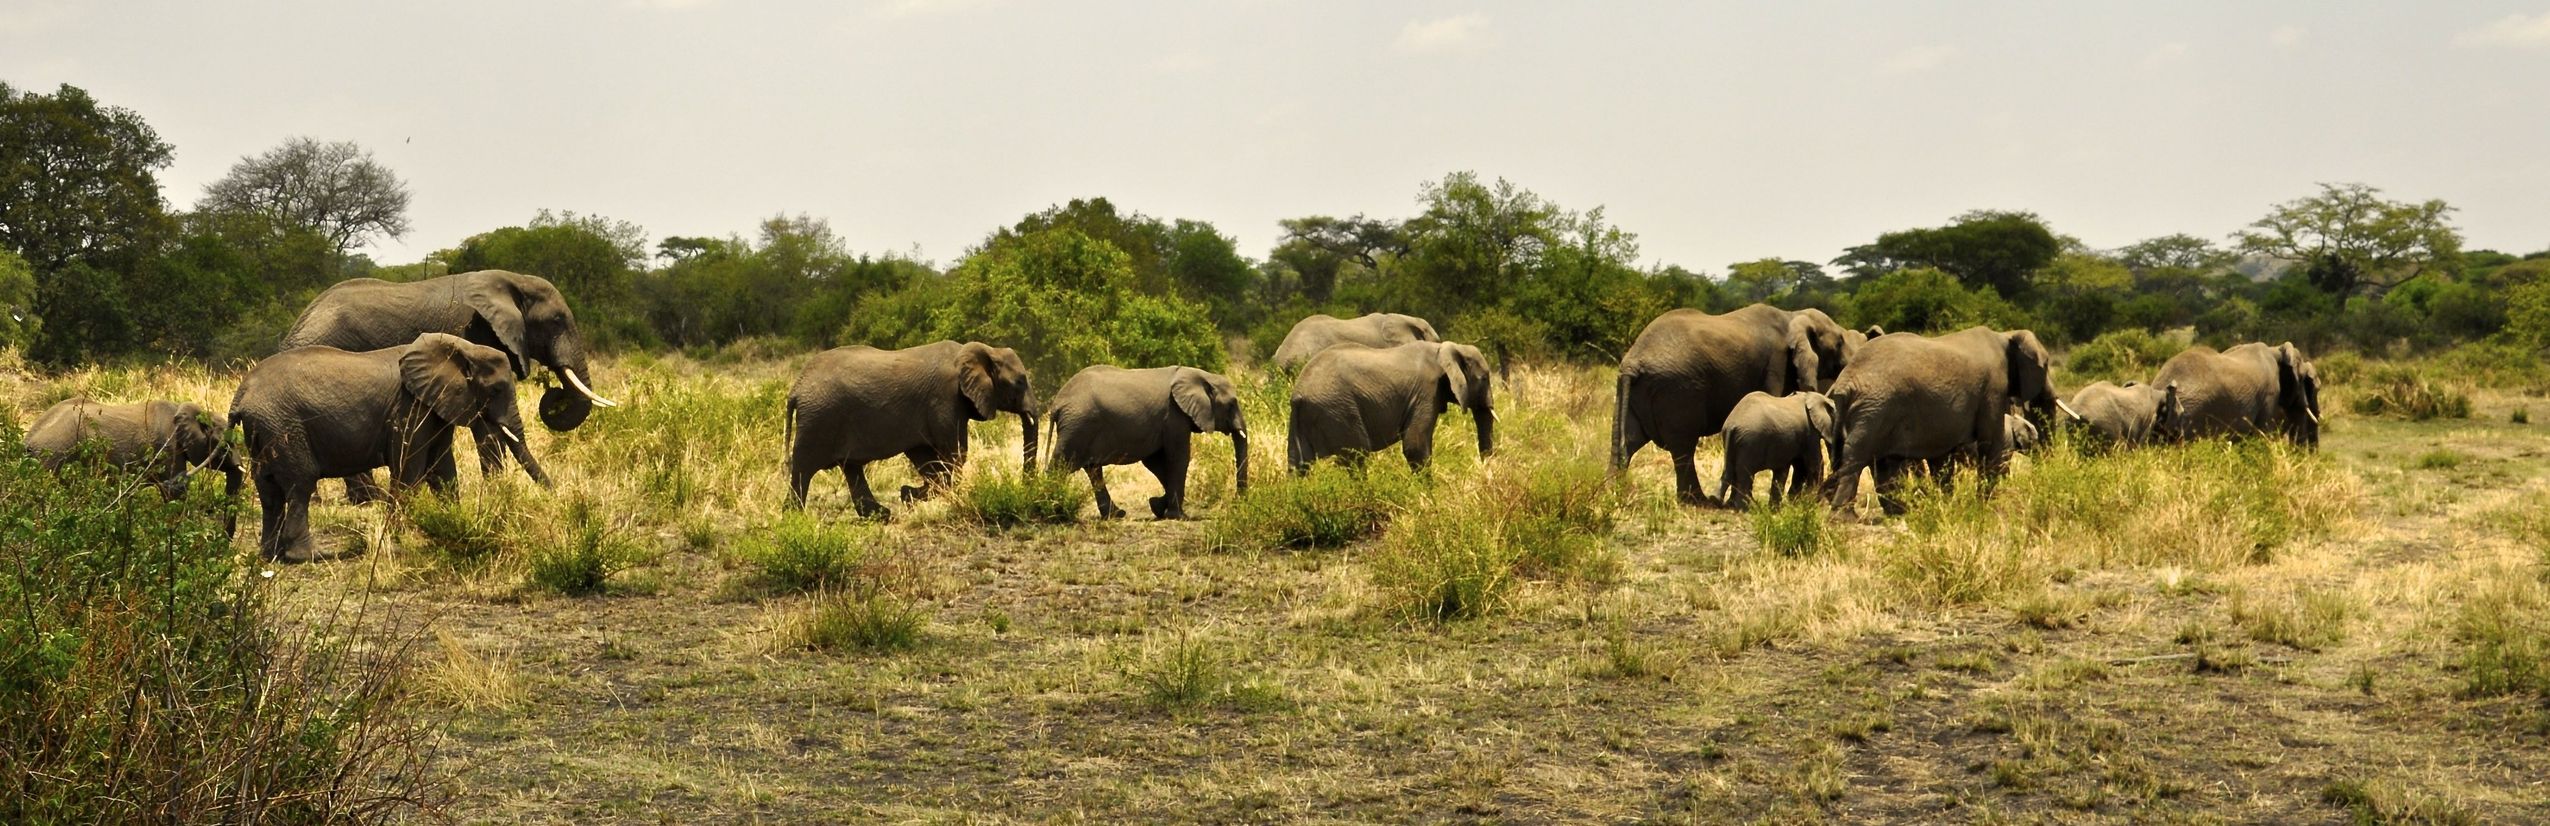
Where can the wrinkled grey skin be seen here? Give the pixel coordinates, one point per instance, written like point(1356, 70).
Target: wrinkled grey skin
point(1352, 400)
point(1911, 399)
point(522, 315)
point(1108, 415)
point(1688, 369)
point(312, 413)
point(1320, 332)
point(2129, 414)
point(1786, 435)
point(858, 404)
point(2252, 388)
point(164, 440)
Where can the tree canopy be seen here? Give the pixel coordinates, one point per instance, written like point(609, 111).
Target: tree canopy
point(331, 189)
point(2348, 239)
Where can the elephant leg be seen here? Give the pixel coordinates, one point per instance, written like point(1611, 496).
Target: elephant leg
point(1890, 484)
point(855, 474)
point(1736, 489)
point(1098, 489)
point(935, 467)
point(363, 489)
point(1417, 442)
point(269, 516)
point(1168, 466)
point(1779, 484)
point(491, 449)
point(443, 476)
point(799, 476)
point(1686, 479)
point(289, 539)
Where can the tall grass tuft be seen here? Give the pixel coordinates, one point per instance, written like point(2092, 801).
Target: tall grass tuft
point(1003, 499)
point(866, 620)
point(1189, 671)
point(802, 553)
point(467, 529)
point(2405, 392)
point(2506, 626)
point(588, 555)
point(1331, 507)
point(145, 675)
point(1455, 554)
point(1798, 526)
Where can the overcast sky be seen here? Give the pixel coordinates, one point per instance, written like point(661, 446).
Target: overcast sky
point(1719, 132)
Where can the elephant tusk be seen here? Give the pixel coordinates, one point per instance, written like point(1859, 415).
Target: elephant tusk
point(578, 383)
point(2068, 411)
point(2314, 414)
point(509, 434)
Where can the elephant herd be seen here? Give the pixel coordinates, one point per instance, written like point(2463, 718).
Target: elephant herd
point(1790, 388)
point(380, 375)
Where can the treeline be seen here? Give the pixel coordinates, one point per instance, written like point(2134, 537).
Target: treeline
point(97, 265)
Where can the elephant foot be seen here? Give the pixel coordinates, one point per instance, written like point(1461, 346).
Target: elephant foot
point(915, 493)
point(1696, 499)
point(299, 552)
point(1160, 509)
point(1111, 512)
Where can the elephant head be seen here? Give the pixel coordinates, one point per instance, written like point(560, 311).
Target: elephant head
point(2165, 417)
point(1465, 383)
point(197, 437)
point(991, 381)
point(1825, 418)
point(461, 383)
point(2298, 394)
point(1212, 405)
point(2030, 384)
point(1817, 350)
point(531, 319)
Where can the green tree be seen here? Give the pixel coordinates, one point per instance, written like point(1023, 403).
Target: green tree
point(1984, 248)
point(1761, 280)
point(2348, 239)
point(18, 321)
point(2173, 252)
point(332, 189)
point(1475, 240)
point(1319, 247)
point(81, 178)
point(1926, 300)
point(1063, 299)
point(594, 261)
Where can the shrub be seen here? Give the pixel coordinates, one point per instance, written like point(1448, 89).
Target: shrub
point(1454, 555)
point(466, 531)
point(583, 563)
point(1002, 499)
point(868, 620)
point(2506, 625)
point(2121, 355)
point(800, 553)
point(2394, 390)
point(146, 677)
point(1332, 507)
point(1799, 526)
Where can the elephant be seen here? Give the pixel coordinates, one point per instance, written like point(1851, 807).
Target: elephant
point(312, 413)
point(1109, 415)
point(1786, 435)
point(2252, 388)
point(858, 404)
point(167, 441)
point(2132, 413)
point(1319, 332)
point(2022, 435)
point(1906, 400)
point(1351, 400)
point(523, 316)
point(1688, 369)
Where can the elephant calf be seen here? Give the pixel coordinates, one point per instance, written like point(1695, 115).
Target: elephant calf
point(166, 440)
point(2133, 413)
point(312, 413)
point(1112, 416)
point(2022, 434)
point(1785, 435)
point(1351, 400)
point(858, 404)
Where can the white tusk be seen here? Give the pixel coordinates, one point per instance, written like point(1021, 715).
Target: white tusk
point(587, 391)
point(2314, 414)
point(509, 434)
point(2068, 411)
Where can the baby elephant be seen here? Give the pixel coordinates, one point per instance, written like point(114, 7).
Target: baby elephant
point(1785, 435)
point(166, 440)
point(2022, 434)
point(2133, 413)
point(1113, 416)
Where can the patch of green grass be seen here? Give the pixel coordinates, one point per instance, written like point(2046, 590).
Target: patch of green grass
point(2309, 620)
point(467, 529)
point(2121, 354)
point(1799, 526)
point(1454, 555)
point(2379, 803)
point(2440, 459)
point(1002, 499)
point(591, 553)
point(2405, 392)
point(865, 621)
point(2506, 626)
point(801, 552)
point(1331, 507)
point(1191, 671)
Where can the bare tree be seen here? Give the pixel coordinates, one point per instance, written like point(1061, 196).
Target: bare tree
point(333, 189)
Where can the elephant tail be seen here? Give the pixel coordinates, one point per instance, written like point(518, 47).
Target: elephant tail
point(1621, 426)
point(788, 432)
point(1296, 455)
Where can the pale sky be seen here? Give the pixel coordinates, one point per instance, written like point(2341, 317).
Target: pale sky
point(1719, 132)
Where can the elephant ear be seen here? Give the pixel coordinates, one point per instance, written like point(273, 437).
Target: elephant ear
point(1450, 359)
point(1823, 417)
point(974, 379)
point(1192, 397)
point(493, 299)
point(2028, 365)
point(1803, 365)
point(434, 371)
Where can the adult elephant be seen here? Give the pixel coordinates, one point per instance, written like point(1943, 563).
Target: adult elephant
point(1907, 400)
point(2252, 388)
point(312, 413)
point(1688, 369)
point(1352, 400)
point(1108, 415)
point(523, 316)
point(854, 405)
point(1322, 331)
point(165, 441)
point(2126, 414)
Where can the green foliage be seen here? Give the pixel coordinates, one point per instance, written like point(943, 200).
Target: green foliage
point(467, 530)
point(2122, 355)
point(798, 281)
point(866, 621)
point(1798, 526)
point(1065, 301)
point(1002, 499)
point(19, 324)
point(1331, 507)
point(82, 180)
point(2349, 238)
point(1456, 554)
point(2404, 392)
point(1984, 249)
point(145, 676)
point(1931, 301)
point(1190, 671)
point(803, 553)
point(585, 562)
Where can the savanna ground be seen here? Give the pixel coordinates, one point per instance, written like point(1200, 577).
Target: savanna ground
point(2208, 633)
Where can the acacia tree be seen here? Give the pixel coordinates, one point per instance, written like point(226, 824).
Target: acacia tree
point(2349, 239)
point(333, 189)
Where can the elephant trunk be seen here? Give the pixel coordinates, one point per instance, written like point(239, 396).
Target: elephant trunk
point(1239, 459)
point(231, 478)
point(1485, 418)
point(1027, 438)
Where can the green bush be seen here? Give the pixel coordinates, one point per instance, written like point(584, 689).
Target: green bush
point(1332, 507)
point(2507, 628)
point(466, 530)
point(1003, 499)
point(1454, 555)
point(2121, 355)
point(1798, 526)
point(802, 553)
point(868, 621)
point(582, 564)
point(2399, 391)
point(146, 677)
